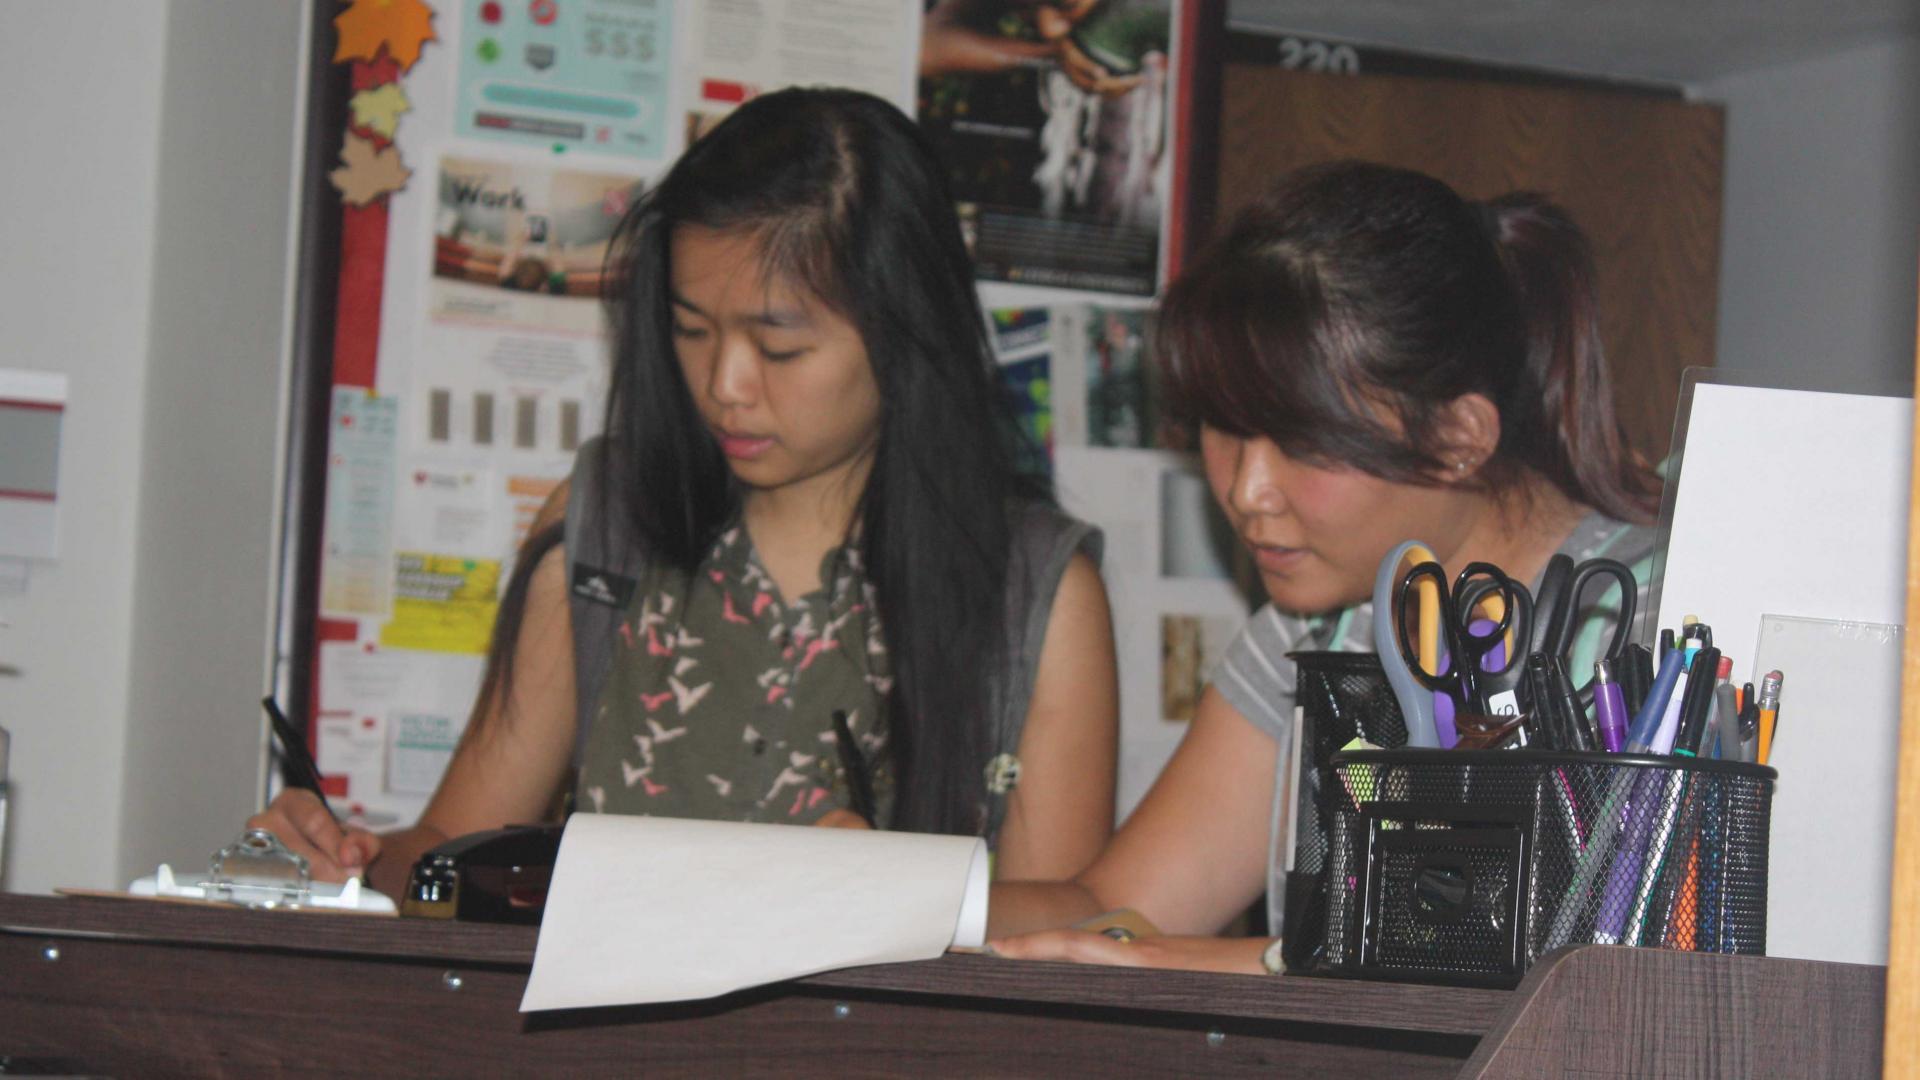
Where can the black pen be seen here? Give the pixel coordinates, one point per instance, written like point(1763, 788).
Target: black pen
point(854, 764)
point(1698, 703)
point(1581, 725)
point(303, 773)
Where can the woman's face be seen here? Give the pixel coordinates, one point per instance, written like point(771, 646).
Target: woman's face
point(782, 381)
point(1318, 533)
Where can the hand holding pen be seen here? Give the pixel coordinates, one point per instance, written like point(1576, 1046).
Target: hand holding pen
point(300, 817)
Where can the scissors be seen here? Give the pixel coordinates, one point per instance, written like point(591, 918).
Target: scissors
point(1469, 638)
point(1556, 609)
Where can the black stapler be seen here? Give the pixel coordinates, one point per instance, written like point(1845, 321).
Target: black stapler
point(497, 876)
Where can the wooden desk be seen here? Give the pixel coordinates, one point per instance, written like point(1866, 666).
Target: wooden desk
point(127, 988)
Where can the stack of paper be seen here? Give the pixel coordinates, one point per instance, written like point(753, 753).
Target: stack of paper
point(653, 909)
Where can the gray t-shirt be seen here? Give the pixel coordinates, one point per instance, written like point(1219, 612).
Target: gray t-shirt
point(1256, 677)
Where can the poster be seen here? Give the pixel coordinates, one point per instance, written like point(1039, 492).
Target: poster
point(564, 74)
point(355, 558)
point(1056, 122)
point(1023, 343)
point(736, 49)
point(388, 722)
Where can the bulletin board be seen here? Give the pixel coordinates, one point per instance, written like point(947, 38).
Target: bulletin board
point(465, 163)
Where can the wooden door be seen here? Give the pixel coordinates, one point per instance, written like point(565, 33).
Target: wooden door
point(1641, 174)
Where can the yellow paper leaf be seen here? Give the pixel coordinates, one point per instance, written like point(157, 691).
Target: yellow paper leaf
point(366, 174)
point(403, 26)
point(378, 110)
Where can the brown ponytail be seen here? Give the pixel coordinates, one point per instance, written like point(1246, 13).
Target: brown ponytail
point(1550, 266)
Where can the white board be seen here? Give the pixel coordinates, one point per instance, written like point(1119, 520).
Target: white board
point(1794, 503)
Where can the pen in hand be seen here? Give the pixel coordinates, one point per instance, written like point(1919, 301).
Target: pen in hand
point(854, 764)
point(302, 772)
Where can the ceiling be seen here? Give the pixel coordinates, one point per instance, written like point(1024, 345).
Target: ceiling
point(1683, 41)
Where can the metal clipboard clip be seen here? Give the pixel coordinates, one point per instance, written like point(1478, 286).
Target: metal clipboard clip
point(258, 871)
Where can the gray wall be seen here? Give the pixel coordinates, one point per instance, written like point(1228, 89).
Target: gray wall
point(1820, 243)
point(209, 471)
point(147, 196)
point(77, 183)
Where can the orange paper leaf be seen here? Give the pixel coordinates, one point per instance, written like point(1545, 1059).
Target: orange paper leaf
point(403, 26)
point(365, 174)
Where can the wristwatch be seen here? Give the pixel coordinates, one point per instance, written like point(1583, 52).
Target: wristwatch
point(1271, 959)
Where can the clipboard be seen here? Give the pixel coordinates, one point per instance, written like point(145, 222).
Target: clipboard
point(255, 871)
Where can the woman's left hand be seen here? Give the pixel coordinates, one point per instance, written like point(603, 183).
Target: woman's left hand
point(1231, 955)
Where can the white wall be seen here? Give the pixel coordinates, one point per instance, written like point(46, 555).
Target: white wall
point(209, 474)
point(77, 186)
point(146, 193)
point(1820, 234)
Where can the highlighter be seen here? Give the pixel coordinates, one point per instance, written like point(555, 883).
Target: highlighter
point(1646, 722)
point(1609, 707)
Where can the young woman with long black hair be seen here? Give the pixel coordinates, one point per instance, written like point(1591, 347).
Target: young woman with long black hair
point(1370, 358)
point(803, 523)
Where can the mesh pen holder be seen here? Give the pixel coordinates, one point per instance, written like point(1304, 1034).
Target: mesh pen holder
point(1341, 696)
point(1514, 811)
point(1467, 866)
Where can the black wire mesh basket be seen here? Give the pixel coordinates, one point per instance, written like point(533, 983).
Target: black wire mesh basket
point(1467, 866)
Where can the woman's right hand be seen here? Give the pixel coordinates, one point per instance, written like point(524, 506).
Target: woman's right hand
point(304, 825)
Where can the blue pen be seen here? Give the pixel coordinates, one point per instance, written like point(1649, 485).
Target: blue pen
point(1646, 722)
point(1669, 728)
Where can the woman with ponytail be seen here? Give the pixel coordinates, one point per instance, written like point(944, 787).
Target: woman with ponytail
point(1369, 358)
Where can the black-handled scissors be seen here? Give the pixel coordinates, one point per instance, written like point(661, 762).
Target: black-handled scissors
point(1466, 648)
point(1500, 684)
point(1557, 605)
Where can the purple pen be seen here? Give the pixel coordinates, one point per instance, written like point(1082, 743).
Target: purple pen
point(1609, 707)
point(1640, 815)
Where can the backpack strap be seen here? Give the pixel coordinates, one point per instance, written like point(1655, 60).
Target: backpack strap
point(603, 570)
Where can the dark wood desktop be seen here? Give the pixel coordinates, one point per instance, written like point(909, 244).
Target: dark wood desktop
point(142, 988)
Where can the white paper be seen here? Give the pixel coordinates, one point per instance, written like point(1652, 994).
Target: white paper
point(644, 910)
point(1789, 501)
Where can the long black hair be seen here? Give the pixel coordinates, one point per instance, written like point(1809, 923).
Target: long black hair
point(847, 200)
point(1353, 288)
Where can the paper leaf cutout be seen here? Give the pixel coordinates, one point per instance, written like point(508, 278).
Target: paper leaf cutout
point(379, 110)
point(366, 174)
point(403, 26)
point(368, 74)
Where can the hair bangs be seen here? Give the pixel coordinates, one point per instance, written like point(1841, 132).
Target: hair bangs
point(1256, 349)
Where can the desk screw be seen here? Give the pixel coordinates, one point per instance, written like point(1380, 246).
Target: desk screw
point(1215, 1039)
point(842, 1010)
point(50, 953)
point(452, 980)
